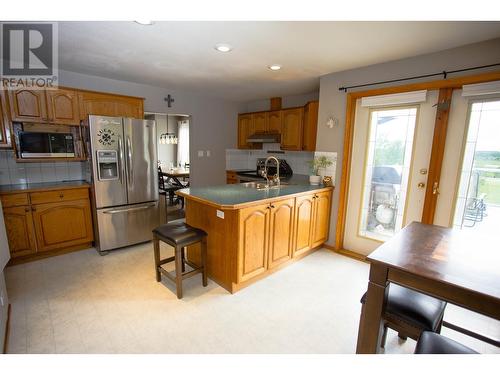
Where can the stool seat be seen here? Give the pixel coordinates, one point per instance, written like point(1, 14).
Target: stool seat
point(179, 234)
point(432, 343)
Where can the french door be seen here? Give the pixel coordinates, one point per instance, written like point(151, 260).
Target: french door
point(390, 158)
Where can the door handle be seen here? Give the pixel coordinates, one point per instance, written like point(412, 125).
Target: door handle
point(120, 157)
point(435, 188)
point(129, 162)
point(421, 185)
point(140, 208)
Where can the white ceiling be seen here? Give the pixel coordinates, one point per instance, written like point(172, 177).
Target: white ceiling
point(181, 54)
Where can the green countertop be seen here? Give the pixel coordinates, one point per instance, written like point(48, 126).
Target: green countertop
point(234, 195)
point(42, 186)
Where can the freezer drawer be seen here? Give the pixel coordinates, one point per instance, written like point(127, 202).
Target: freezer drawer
point(126, 225)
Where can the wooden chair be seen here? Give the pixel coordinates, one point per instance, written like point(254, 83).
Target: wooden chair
point(410, 313)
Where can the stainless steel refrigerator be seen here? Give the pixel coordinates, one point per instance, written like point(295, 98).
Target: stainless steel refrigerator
point(124, 180)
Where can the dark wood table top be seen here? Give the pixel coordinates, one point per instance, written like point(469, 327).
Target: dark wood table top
point(462, 259)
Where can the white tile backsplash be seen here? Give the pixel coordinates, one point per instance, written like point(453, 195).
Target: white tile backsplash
point(247, 159)
point(21, 173)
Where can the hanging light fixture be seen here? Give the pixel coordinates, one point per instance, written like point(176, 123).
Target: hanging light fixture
point(168, 138)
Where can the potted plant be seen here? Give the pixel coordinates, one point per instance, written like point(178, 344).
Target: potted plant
point(319, 162)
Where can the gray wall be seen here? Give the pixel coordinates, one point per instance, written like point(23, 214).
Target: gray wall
point(286, 102)
point(212, 126)
point(332, 102)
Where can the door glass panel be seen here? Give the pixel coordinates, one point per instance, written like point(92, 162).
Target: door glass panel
point(387, 168)
point(477, 206)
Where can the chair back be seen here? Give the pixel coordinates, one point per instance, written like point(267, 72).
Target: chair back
point(161, 181)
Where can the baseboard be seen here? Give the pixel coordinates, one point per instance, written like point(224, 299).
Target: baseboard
point(347, 253)
point(48, 254)
point(7, 329)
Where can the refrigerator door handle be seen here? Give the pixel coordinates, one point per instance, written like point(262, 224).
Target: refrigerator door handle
point(121, 161)
point(139, 208)
point(129, 162)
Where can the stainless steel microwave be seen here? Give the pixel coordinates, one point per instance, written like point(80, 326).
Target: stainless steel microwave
point(46, 145)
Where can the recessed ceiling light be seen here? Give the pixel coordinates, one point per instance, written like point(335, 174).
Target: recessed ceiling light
point(275, 67)
point(144, 22)
point(222, 47)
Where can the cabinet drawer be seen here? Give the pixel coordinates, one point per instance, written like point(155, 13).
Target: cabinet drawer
point(59, 195)
point(14, 200)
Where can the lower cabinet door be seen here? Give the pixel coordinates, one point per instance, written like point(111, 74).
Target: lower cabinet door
point(321, 228)
point(253, 241)
point(304, 221)
point(20, 231)
point(281, 232)
point(62, 224)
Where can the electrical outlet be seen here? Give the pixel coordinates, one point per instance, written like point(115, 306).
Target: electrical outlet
point(1, 298)
point(208, 153)
point(200, 153)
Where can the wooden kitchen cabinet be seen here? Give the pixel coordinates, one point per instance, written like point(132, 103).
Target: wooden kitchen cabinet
point(59, 106)
point(253, 241)
point(28, 105)
point(63, 106)
point(321, 227)
point(20, 231)
point(245, 129)
point(312, 221)
point(63, 224)
point(304, 223)
point(274, 122)
point(95, 103)
point(4, 122)
point(310, 126)
point(231, 177)
point(292, 129)
point(281, 232)
point(260, 122)
point(41, 221)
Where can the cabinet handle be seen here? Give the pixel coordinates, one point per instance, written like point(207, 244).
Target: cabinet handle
point(61, 195)
point(33, 208)
point(26, 209)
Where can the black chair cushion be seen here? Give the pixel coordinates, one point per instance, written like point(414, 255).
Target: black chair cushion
point(432, 343)
point(179, 234)
point(415, 308)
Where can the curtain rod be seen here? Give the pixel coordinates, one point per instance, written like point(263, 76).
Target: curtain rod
point(444, 73)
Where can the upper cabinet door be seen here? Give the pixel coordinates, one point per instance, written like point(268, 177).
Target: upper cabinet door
point(244, 130)
point(291, 131)
point(62, 107)
point(310, 126)
point(94, 103)
point(28, 105)
point(274, 122)
point(4, 123)
point(259, 122)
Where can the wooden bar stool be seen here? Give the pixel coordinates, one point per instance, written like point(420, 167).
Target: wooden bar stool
point(179, 235)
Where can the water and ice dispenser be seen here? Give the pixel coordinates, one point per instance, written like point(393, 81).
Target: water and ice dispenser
point(107, 165)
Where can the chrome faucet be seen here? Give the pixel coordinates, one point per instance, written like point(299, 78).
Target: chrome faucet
point(276, 177)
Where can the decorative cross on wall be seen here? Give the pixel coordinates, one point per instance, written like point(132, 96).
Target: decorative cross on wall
point(169, 99)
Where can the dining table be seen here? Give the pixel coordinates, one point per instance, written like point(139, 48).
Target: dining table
point(173, 176)
point(461, 267)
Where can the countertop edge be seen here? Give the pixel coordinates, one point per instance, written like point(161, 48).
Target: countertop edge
point(47, 188)
point(252, 203)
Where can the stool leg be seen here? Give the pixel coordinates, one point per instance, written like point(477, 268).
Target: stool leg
point(204, 260)
point(178, 271)
point(183, 254)
point(156, 247)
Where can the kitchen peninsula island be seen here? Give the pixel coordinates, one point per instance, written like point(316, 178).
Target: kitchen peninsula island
point(253, 232)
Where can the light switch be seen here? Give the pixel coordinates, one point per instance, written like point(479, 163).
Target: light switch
point(200, 153)
point(208, 153)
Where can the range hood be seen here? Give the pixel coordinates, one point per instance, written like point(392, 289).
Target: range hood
point(264, 138)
